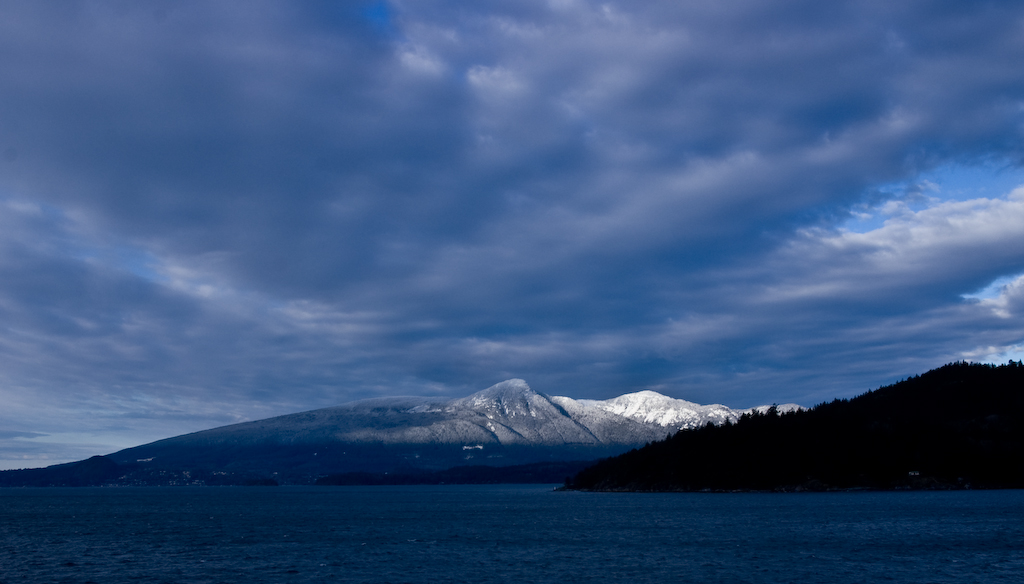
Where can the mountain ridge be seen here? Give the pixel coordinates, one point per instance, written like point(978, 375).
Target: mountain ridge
point(507, 424)
point(507, 413)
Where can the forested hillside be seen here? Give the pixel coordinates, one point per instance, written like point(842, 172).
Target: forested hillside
point(959, 426)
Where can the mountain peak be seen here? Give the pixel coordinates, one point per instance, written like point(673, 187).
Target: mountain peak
point(652, 407)
point(647, 396)
point(508, 392)
point(515, 385)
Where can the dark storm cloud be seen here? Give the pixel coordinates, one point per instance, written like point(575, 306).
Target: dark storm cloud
point(220, 212)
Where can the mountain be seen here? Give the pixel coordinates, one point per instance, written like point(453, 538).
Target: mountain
point(959, 426)
point(504, 425)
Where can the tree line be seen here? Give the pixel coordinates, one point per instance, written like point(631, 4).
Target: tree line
point(958, 426)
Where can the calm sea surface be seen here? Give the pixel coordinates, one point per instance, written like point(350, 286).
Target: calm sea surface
point(505, 534)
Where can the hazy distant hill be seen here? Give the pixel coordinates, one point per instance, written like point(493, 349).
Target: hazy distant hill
point(504, 425)
point(959, 426)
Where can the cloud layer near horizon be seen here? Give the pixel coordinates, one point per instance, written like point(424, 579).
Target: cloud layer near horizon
point(217, 213)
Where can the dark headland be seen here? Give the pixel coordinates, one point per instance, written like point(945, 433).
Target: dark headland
point(957, 427)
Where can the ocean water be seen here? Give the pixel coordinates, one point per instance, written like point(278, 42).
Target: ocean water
point(505, 534)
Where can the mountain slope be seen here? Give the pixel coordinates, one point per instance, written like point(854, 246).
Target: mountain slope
point(504, 425)
point(958, 426)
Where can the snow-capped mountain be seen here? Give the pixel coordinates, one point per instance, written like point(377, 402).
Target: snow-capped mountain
point(508, 423)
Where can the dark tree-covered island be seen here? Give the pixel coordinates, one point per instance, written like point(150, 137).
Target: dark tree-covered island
point(960, 426)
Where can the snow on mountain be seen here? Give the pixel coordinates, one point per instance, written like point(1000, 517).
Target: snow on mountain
point(516, 414)
point(781, 408)
point(506, 424)
point(652, 408)
point(507, 414)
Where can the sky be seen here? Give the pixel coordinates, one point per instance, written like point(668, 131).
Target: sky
point(220, 212)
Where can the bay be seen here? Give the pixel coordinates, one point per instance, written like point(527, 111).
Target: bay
point(505, 533)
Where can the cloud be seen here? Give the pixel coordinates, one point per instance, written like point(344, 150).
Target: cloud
point(221, 212)
point(933, 254)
